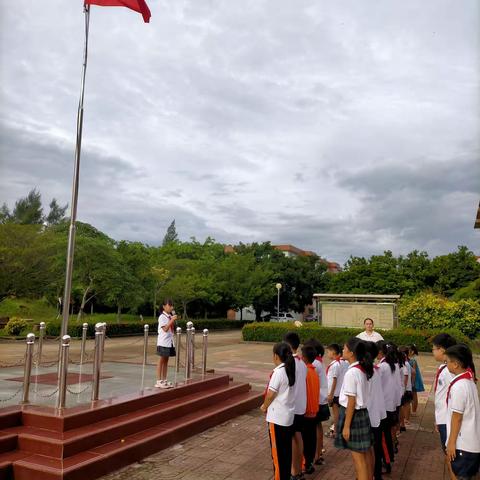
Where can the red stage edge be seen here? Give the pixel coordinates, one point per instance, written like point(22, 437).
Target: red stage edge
point(89, 441)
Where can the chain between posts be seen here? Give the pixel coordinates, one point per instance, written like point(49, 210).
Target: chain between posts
point(12, 396)
point(73, 392)
point(47, 395)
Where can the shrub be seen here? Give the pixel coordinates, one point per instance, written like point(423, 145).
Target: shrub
point(15, 325)
point(274, 332)
point(124, 329)
point(426, 310)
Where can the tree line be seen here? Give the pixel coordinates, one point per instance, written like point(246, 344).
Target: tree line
point(201, 277)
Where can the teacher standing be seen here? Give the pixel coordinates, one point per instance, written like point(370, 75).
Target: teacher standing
point(369, 335)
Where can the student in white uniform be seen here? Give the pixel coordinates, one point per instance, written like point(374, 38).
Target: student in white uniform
point(441, 343)
point(388, 367)
point(353, 431)
point(165, 342)
point(377, 412)
point(335, 373)
point(300, 390)
point(323, 410)
point(279, 405)
point(463, 414)
point(407, 387)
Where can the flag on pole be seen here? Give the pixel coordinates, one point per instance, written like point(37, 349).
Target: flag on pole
point(139, 6)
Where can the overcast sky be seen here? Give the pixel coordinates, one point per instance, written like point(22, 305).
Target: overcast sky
point(346, 128)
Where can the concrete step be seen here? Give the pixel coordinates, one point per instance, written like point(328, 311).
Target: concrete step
point(65, 444)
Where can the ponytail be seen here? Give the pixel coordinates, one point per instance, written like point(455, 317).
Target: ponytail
point(284, 352)
point(463, 355)
point(389, 351)
point(358, 348)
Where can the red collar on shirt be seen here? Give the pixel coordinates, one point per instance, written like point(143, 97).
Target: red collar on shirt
point(319, 358)
point(359, 367)
point(437, 376)
point(464, 376)
point(337, 359)
point(382, 360)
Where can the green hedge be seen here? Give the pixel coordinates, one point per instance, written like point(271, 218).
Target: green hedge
point(427, 311)
point(123, 329)
point(274, 332)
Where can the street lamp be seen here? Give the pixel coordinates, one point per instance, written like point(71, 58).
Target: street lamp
point(278, 286)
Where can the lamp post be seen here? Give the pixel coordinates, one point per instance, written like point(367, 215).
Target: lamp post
point(278, 286)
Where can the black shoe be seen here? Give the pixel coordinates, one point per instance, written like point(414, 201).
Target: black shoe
point(403, 429)
point(387, 467)
point(309, 470)
point(319, 461)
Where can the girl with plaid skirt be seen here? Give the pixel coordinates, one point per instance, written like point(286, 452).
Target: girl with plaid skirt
point(353, 431)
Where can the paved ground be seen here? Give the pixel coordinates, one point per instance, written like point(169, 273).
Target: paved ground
point(239, 449)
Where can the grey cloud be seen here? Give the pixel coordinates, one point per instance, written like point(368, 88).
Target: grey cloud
point(343, 127)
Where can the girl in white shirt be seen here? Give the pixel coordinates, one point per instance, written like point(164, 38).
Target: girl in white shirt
point(165, 343)
point(463, 414)
point(279, 405)
point(353, 427)
point(388, 368)
point(377, 412)
point(407, 388)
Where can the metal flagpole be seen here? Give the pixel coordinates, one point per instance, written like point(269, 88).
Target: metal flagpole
point(76, 177)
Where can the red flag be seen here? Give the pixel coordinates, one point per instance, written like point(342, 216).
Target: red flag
point(139, 6)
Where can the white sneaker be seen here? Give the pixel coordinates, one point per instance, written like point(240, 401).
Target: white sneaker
point(163, 384)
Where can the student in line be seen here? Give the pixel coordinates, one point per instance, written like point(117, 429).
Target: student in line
point(323, 410)
point(463, 414)
point(279, 406)
point(441, 343)
point(335, 374)
point(401, 378)
point(313, 401)
point(377, 413)
point(353, 429)
point(387, 357)
point(417, 384)
point(165, 342)
point(300, 393)
point(407, 389)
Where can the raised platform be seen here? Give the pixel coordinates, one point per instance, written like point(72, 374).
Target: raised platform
point(88, 441)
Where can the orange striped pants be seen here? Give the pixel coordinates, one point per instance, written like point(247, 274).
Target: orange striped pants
point(281, 445)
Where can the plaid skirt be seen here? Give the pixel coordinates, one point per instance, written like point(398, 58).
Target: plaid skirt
point(361, 437)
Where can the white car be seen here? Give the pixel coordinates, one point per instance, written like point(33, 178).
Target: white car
point(283, 317)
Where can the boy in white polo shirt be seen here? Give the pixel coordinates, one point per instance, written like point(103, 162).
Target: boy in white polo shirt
point(463, 414)
point(441, 343)
point(300, 390)
point(335, 374)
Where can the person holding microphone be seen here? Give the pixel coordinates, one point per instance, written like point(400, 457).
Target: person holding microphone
point(165, 342)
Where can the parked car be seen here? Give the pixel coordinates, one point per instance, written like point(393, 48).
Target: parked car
point(283, 317)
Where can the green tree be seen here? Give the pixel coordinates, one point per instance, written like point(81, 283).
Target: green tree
point(187, 283)
point(26, 257)
point(242, 281)
point(28, 210)
point(454, 271)
point(171, 235)
point(56, 214)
